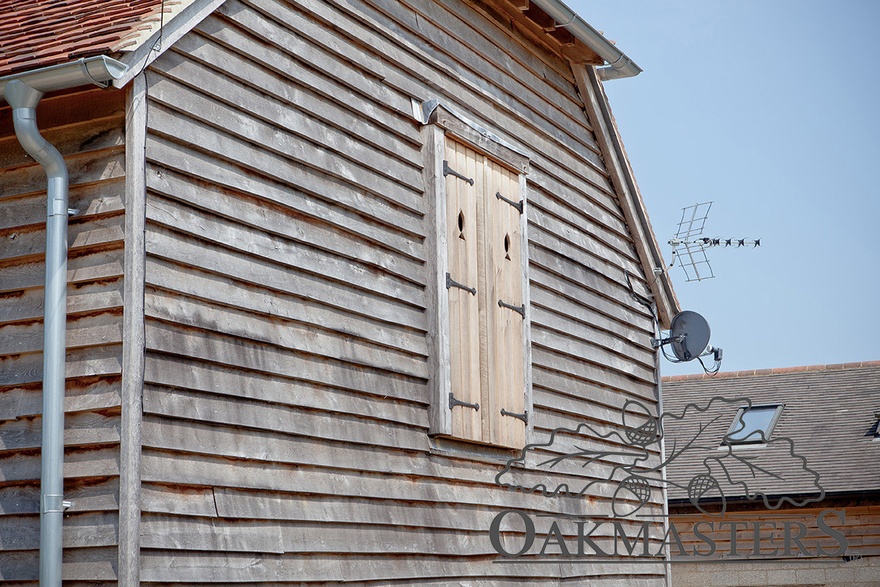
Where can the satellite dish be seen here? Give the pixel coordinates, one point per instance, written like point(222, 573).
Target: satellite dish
point(689, 339)
point(688, 335)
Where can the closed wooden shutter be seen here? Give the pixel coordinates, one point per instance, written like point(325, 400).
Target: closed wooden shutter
point(464, 269)
point(485, 298)
point(505, 311)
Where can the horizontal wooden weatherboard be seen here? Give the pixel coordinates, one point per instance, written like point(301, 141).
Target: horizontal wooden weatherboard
point(277, 218)
point(94, 393)
point(94, 135)
point(220, 107)
point(87, 167)
point(82, 331)
point(80, 429)
point(88, 129)
point(554, 320)
point(583, 276)
point(92, 264)
point(90, 565)
point(258, 243)
point(220, 419)
point(274, 273)
point(93, 462)
point(553, 280)
point(93, 529)
point(26, 305)
point(221, 40)
point(84, 496)
point(567, 343)
point(584, 240)
point(227, 381)
point(268, 506)
point(307, 192)
point(320, 122)
point(517, 54)
point(29, 243)
point(563, 386)
point(586, 218)
point(585, 313)
point(448, 83)
point(281, 26)
point(577, 243)
point(223, 349)
point(100, 197)
point(432, 483)
point(166, 121)
point(286, 390)
point(282, 333)
point(196, 567)
point(85, 362)
point(220, 289)
point(280, 536)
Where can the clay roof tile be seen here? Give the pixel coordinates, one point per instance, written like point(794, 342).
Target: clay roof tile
point(39, 33)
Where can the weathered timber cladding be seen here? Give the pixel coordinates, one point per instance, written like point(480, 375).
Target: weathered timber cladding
point(859, 566)
point(88, 129)
point(286, 377)
point(286, 242)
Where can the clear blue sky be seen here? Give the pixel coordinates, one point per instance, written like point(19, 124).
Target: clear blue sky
point(772, 110)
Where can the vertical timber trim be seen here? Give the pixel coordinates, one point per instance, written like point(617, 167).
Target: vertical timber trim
point(173, 29)
point(438, 311)
point(631, 203)
point(527, 306)
point(133, 341)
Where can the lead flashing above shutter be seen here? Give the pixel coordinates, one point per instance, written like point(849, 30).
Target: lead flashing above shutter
point(477, 137)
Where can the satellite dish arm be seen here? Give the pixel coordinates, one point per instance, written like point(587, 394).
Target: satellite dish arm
point(717, 355)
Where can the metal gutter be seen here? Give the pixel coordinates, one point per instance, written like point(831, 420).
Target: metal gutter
point(23, 92)
point(619, 65)
point(99, 71)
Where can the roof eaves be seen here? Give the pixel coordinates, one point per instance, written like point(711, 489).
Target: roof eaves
point(774, 371)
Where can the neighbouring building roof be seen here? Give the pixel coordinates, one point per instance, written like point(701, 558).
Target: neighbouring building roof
point(39, 33)
point(830, 413)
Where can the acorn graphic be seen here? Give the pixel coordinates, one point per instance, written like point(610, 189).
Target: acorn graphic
point(646, 432)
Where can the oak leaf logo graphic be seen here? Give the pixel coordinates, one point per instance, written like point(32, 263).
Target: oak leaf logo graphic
point(623, 462)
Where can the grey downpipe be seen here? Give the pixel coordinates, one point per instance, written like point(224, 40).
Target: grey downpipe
point(619, 65)
point(23, 92)
point(23, 100)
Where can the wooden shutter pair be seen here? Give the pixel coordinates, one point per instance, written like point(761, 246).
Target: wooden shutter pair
point(485, 298)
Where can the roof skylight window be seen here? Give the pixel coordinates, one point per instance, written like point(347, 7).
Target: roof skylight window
point(753, 424)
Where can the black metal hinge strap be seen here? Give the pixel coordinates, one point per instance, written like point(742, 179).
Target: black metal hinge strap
point(457, 402)
point(524, 416)
point(452, 283)
point(521, 310)
point(447, 170)
point(517, 205)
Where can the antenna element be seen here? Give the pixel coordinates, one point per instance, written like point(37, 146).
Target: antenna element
point(689, 246)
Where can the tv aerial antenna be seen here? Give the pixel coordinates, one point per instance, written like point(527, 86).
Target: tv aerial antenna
point(689, 246)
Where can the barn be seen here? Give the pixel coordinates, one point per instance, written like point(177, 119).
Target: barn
point(329, 265)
